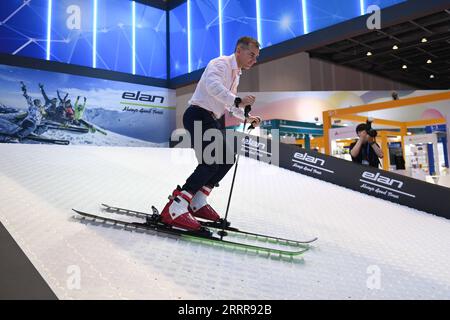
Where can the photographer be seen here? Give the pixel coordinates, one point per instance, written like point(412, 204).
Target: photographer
point(366, 151)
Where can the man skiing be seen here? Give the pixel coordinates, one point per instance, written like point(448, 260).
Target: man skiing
point(60, 114)
point(50, 104)
point(79, 110)
point(32, 122)
point(69, 112)
point(215, 93)
point(20, 125)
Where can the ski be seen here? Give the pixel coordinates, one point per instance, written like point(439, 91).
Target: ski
point(69, 128)
point(51, 122)
point(218, 225)
point(92, 127)
point(46, 140)
point(203, 236)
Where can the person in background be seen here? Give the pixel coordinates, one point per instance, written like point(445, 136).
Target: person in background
point(50, 104)
point(79, 110)
point(366, 151)
point(69, 112)
point(32, 121)
point(60, 114)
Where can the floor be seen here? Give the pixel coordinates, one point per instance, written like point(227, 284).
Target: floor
point(367, 248)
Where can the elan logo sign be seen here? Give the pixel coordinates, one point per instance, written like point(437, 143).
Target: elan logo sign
point(384, 180)
point(252, 143)
point(308, 163)
point(256, 149)
point(138, 96)
point(382, 185)
point(306, 157)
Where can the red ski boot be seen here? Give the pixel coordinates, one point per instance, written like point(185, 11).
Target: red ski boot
point(200, 208)
point(176, 212)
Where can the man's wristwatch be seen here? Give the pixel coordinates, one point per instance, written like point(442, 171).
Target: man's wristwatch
point(237, 102)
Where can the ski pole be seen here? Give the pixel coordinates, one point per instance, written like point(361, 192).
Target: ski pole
point(222, 232)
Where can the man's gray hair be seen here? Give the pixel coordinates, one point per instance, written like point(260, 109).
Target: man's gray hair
point(246, 41)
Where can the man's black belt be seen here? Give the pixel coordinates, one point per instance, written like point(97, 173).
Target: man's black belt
point(210, 112)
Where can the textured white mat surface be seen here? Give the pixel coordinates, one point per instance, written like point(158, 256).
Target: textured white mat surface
point(367, 248)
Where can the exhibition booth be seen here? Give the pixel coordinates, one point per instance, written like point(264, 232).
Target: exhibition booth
point(411, 131)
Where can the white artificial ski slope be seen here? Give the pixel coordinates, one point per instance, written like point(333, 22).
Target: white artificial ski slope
point(358, 234)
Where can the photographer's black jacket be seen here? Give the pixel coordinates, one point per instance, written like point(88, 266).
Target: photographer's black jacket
point(366, 153)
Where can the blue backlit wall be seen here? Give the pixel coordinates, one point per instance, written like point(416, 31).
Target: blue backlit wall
point(269, 21)
point(151, 41)
point(130, 37)
point(117, 35)
point(71, 26)
point(205, 33)
point(280, 21)
point(239, 18)
point(23, 29)
point(114, 35)
point(178, 41)
point(324, 13)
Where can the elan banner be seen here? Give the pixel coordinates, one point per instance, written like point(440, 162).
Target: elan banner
point(48, 107)
point(382, 184)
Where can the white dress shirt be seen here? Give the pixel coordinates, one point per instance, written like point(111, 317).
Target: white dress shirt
point(217, 87)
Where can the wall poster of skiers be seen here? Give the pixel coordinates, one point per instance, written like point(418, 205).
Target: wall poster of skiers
point(54, 108)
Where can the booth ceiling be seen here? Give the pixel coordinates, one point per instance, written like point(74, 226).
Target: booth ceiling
point(422, 45)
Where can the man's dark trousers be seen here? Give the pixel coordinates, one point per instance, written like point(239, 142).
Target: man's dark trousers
point(206, 173)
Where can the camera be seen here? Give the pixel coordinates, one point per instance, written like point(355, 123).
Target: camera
point(371, 132)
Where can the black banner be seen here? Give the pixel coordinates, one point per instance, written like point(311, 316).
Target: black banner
point(382, 184)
